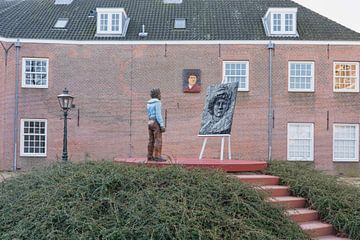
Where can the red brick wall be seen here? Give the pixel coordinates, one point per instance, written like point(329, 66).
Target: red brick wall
point(111, 85)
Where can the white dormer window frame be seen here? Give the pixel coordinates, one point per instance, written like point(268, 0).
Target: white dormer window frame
point(109, 21)
point(281, 21)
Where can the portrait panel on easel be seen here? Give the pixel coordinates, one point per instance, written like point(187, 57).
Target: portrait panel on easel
point(191, 81)
point(219, 109)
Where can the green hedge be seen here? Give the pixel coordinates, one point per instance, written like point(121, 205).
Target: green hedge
point(106, 201)
point(337, 203)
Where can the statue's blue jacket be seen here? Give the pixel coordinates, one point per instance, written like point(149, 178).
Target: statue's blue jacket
point(154, 111)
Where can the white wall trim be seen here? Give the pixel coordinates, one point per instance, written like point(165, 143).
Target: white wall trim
point(179, 42)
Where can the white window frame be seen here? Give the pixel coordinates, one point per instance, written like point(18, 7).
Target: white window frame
point(356, 159)
point(356, 79)
point(109, 12)
point(23, 82)
point(22, 138)
point(311, 158)
point(247, 74)
point(312, 83)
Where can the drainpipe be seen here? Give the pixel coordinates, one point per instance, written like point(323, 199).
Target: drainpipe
point(16, 113)
point(270, 47)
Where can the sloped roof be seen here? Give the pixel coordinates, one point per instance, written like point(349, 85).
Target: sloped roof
point(206, 20)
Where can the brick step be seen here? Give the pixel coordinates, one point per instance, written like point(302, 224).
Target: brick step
point(288, 201)
point(274, 190)
point(300, 215)
point(317, 228)
point(258, 179)
point(331, 237)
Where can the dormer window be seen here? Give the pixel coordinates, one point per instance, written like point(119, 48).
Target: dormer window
point(111, 22)
point(280, 22)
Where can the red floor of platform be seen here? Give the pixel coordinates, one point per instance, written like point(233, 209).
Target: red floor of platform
point(226, 165)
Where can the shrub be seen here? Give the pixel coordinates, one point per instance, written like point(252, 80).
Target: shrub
point(106, 201)
point(337, 203)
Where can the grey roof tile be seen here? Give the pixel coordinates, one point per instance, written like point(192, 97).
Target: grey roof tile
point(206, 20)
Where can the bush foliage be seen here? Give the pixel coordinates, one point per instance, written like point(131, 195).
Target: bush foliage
point(337, 203)
point(106, 201)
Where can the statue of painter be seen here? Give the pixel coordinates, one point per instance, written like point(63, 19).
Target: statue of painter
point(219, 109)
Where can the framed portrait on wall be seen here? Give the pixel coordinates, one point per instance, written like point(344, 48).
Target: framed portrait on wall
point(191, 81)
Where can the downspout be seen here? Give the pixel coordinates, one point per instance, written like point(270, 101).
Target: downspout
point(270, 47)
point(16, 113)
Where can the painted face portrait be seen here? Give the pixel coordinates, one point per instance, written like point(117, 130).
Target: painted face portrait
point(191, 81)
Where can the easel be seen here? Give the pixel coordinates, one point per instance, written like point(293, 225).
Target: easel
point(223, 136)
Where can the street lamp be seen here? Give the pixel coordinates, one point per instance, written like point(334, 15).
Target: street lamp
point(65, 101)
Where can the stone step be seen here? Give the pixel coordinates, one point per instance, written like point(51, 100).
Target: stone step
point(258, 179)
point(300, 215)
point(274, 190)
point(317, 228)
point(288, 201)
point(331, 237)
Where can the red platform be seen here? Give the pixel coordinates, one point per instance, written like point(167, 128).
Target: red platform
point(226, 165)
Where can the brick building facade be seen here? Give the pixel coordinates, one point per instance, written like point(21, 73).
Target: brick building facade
point(111, 82)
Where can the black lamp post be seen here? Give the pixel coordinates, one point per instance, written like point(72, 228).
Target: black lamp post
point(65, 101)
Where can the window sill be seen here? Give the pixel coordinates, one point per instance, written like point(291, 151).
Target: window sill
point(33, 156)
point(41, 87)
point(301, 91)
point(300, 160)
point(345, 161)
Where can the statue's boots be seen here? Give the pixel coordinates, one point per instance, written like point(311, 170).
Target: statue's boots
point(157, 153)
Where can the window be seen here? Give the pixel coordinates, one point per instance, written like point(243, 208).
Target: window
point(61, 23)
point(346, 142)
point(115, 24)
point(111, 21)
point(35, 73)
point(276, 22)
point(33, 137)
point(180, 23)
point(301, 77)
point(346, 77)
point(289, 22)
point(301, 141)
point(280, 21)
point(234, 71)
point(104, 22)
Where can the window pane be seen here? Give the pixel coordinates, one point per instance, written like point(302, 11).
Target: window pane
point(346, 76)
point(115, 22)
point(300, 141)
point(277, 22)
point(35, 72)
point(289, 22)
point(103, 22)
point(345, 142)
point(301, 76)
point(34, 137)
point(236, 72)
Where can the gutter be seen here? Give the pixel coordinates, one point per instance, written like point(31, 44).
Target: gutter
point(184, 42)
point(16, 113)
point(270, 47)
